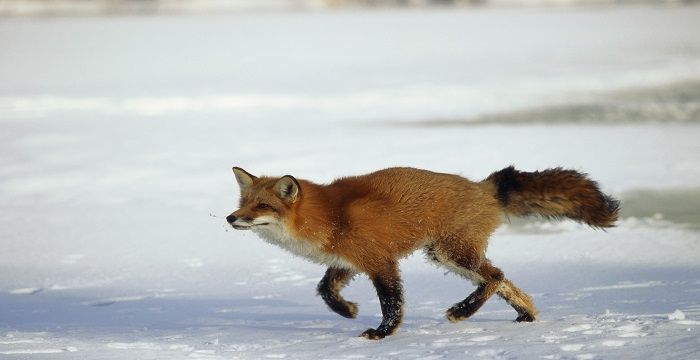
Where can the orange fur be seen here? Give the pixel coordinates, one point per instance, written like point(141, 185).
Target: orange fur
point(366, 223)
point(371, 219)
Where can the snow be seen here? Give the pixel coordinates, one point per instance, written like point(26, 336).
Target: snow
point(118, 136)
point(676, 315)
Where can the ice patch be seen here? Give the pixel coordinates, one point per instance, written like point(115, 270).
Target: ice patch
point(471, 330)
point(688, 322)
point(26, 291)
point(21, 341)
point(180, 347)
point(623, 285)
point(572, 347)
point(575, 296)
point(263, 297)
point(441, 343)
point(134, 345)
point(204, 354)
point(631, 330)
point(491, 353)
point(245, 347)
point(289, 278)
point(39, 351)
point(614, 343)
point(553, 339)
point(114, 300)
point(485, 338)
point(580, 327)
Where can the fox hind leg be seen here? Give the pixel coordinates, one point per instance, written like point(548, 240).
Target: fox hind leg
point(329, 289)
point(519, 300)
point(489, 278)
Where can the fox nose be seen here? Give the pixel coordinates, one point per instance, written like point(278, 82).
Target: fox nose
point(231, 219)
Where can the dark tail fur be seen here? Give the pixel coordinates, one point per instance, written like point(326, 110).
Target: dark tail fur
point(554, 193)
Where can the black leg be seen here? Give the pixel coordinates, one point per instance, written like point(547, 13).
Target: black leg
point(329, 289)
point(490, 278)
point(389, 290)
point(467, 307)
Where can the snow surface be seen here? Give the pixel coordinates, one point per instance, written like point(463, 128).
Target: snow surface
point(118, 135)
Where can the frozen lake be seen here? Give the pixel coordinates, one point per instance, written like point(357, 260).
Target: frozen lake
point(328, 66)
point(117, 135)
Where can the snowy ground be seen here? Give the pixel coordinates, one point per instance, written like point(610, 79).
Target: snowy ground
point(118, 135)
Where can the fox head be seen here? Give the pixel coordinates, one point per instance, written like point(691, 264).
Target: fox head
point(264, 201)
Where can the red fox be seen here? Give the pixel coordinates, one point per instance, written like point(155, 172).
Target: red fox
point(365, 224)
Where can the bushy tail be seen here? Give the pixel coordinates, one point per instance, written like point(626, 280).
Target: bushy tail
point(554, 193)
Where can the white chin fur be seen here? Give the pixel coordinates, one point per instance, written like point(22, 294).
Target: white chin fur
point(276, 234)
point(241, 223)
point(257, 222)
point(264, 221)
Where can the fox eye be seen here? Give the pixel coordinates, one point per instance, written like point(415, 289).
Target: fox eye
point(263, 206)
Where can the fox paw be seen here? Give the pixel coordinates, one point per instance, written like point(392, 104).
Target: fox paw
point(345, 309)
point(456, 314)
point(373, 334)
point(525, 317)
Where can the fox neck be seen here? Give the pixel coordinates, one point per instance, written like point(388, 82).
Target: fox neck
point(309, 249)
point(309, 232)
point(313, 219)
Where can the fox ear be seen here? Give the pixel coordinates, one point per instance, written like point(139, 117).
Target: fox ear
point(287, 188)
point(244, 179)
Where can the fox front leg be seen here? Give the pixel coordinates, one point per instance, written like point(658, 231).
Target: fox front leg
point(329, 289)
point(389, 290)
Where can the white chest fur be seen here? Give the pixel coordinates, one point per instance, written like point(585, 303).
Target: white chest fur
point(275, 235)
